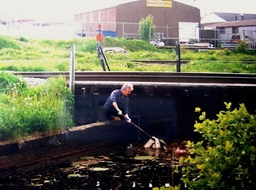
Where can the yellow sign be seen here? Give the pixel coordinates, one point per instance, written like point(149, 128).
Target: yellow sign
point(159, 3)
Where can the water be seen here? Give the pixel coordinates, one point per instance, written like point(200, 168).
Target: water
point(121, 167)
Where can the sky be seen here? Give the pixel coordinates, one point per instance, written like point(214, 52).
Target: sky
point(63, 10)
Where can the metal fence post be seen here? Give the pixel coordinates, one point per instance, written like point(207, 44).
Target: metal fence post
point(72, 69)
point(178, 56)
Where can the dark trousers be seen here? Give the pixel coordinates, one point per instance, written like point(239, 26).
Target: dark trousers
point(106, 114)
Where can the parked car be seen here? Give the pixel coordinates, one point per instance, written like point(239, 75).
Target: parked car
point(80, 34)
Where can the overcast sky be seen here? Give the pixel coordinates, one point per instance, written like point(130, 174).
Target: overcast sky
point(60, 10)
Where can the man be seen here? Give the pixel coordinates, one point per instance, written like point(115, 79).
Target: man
point(117, 103)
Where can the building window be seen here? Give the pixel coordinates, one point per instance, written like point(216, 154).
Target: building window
point(222, 30)
point(234, 30)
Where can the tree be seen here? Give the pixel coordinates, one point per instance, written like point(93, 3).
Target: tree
point(147, 29)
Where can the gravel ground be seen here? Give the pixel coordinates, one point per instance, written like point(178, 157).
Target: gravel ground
point(34, 81)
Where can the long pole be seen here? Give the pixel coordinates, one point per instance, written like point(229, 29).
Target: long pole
point(72, 69)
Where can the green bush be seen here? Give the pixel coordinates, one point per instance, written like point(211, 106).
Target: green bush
point(10, 82)
point(226, 157)
point(241, 47)
point(43, 109)
point(22, 39)
point(62, 67)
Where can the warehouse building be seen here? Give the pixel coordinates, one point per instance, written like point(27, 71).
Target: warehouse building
point(173, 20)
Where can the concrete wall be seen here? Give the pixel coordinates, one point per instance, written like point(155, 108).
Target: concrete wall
point(166, 112)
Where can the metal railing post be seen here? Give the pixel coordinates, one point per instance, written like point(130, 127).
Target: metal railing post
point(178, 56)
point(72, 69)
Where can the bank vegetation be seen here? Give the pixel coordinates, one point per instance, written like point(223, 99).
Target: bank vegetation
point(33, 110)
point(21, 54)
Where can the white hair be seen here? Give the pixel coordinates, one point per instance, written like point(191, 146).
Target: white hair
point(127, 86)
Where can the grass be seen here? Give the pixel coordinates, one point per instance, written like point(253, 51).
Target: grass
point(219, 67)
point(20, 54)
point(26, 110)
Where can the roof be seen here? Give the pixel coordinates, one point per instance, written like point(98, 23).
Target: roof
point(235, 16)
point(212, 18)
point(240, 23)
point(216, 17)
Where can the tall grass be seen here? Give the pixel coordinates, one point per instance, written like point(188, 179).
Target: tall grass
point(54, 55)
point(6, 42)
point(218, 66)
point(26, 110)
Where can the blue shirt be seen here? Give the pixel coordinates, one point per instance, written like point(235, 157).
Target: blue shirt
point(121, 100)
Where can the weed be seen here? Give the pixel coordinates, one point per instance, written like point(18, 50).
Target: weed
point(6, 42)
point(26, 110)
point(54, 55)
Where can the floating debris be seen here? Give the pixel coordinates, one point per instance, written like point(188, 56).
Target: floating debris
point(98, 169)
point(74, 175)
point(144, 158)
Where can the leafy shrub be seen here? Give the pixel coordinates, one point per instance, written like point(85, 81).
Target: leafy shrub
point(10, 82)
point(42, 109)
point(22, 39)
point(227, 52)
point(212, 58)
point(130, 65)
point(62, 67)
point(147, 29)
point(241, 47)
point(225, 159)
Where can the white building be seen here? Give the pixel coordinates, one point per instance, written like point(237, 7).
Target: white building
point(234, 29)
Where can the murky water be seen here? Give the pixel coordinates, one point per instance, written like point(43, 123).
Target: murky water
point(123, 167)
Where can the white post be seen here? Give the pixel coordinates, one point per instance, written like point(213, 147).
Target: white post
point(72, 69)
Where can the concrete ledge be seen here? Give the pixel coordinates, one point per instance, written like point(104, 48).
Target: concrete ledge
point(62, 147)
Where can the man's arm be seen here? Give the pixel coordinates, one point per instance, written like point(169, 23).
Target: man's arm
point(117, 108)
point(127, 118)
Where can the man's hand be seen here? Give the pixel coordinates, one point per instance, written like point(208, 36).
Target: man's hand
point(128, 120)
point(119, 112)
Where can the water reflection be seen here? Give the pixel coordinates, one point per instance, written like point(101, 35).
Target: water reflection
point(125, 167)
